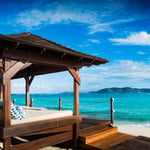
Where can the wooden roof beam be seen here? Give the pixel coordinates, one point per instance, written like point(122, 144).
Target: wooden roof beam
point(17, 45)
point(62, 56)
point(80, 59)
point(33, 57)
point(43, 50)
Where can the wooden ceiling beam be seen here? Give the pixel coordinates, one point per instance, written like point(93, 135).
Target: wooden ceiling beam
point(29, 56)
point(37, 71)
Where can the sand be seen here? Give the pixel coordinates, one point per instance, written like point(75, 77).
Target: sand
point(53, 148)
point(134, 130)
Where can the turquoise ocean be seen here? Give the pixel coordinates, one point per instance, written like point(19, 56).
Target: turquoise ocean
point(130, 109)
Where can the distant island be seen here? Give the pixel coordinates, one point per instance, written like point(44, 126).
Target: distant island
point(122, 90)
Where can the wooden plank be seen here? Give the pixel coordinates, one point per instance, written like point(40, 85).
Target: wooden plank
point(43, 142)
point(90, 122)
point(75, 75)
point(97, 135)
point(93, 128)
point(33, 57)
point(32, 127)
point(54, 130)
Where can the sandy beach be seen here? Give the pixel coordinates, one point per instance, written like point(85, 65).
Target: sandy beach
point(134, 130)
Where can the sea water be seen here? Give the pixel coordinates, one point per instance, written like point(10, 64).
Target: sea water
point(130, 109)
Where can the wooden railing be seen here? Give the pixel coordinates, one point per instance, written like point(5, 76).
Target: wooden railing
point(61, 100)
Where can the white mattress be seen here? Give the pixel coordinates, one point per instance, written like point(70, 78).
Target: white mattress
point(38, 114)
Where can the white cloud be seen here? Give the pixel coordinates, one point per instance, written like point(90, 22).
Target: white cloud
point(89, 42)
point(101, 27)
point(56, 13)
point(141, 38)
point(141, 53)
point(121, 73)
point(94, 40)
point(95, 17)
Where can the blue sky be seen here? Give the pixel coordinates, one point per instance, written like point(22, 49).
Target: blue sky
point(118, 30)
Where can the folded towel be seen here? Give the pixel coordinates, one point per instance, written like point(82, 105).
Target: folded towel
point(16, 111)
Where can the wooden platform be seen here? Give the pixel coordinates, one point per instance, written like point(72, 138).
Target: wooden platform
point(100, 135)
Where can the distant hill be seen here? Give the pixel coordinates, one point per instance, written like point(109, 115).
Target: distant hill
point(123, 90)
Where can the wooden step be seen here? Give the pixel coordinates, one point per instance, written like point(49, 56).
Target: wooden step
point(107, 142)
point(94, 127)
point(92, 136)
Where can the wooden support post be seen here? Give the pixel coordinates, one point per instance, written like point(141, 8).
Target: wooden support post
point(59, 103)
point(112, 110)
point(76, 97)
point(28, 83)
point(1, 90)
point(7, 144)
point(27, 90)
point(14, 101)
point(6, 104)
point(31, 103)
point(76, 112)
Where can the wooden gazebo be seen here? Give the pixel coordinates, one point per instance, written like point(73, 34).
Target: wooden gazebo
point(24, 56)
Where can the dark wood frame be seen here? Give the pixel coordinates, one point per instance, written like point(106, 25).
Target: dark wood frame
point(19, 58)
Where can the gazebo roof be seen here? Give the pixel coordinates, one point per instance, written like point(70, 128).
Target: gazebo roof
point(42, 55)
